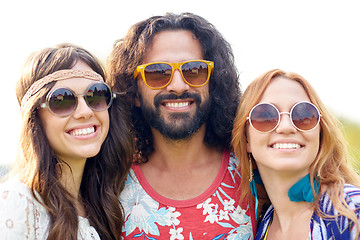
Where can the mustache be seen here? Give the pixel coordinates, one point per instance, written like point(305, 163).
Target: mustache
point(172, 96)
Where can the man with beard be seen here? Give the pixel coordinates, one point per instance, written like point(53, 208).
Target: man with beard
point(182, 87)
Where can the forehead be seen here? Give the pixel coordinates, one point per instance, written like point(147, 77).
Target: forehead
point(174, 46)
point(75, 84)
point(283, 90)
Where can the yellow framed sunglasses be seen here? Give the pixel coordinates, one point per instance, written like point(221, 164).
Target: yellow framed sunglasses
point(157, 75)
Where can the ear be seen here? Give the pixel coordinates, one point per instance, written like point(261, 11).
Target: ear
point(248, 147)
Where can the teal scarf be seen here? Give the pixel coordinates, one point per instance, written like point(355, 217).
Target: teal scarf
point(301, 191)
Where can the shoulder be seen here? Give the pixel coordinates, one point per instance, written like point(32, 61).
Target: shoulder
point(15, 194)
point(350, 193)
point(232, 166)
point(340, 227)
point(229, 172)
point(352, 196)
point(20, 214)
point(233, 161)
point(13, 188)
point(132, 188)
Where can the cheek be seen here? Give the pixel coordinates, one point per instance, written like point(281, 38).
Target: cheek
point(53, 127)
point(257, 143)
point(49, 123)
point(105, 124)
point(145, 94)
point(43, 115)
point(205, 92)
point(313, 139)
point(252, 139)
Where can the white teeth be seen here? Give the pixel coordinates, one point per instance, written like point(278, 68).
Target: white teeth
point(177, 104)
point(84, 131)
point(286, 146)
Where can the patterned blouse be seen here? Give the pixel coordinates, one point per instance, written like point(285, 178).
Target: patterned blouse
point(325, 228)
point(23, 217)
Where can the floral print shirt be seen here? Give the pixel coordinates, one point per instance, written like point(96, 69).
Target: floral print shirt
point(23, 217)
point(215, 214)
point(325, 228)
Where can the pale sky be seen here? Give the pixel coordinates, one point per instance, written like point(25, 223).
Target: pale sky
point(319, 40)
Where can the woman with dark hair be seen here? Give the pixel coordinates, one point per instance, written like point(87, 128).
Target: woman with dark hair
point(74, 151)
point(284, 130)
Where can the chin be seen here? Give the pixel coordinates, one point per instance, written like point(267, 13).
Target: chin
point(89, 152)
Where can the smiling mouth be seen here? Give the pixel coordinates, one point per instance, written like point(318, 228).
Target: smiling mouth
point(286, 146)
point(175, 101)
point(82, 132)
point(177, 104)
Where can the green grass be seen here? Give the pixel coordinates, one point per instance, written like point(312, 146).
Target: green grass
point(352, 135)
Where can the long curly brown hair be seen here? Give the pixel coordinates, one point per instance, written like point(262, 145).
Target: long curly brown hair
point(104, 174)
point(224, 87)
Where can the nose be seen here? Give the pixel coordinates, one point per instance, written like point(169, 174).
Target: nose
point(82, 109)
point(177, 83)
point(285, 124)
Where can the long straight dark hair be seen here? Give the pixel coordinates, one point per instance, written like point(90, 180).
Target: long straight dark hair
point(104, 174)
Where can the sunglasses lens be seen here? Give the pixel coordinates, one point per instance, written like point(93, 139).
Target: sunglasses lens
point(195, 73)
point(157, 75)
point(264, 117)
point(305, 116)
point(98, 97)
point(62, 102)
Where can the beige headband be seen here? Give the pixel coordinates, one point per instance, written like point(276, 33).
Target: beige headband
point(58, 76)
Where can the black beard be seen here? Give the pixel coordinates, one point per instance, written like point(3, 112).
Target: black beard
point(170, 129)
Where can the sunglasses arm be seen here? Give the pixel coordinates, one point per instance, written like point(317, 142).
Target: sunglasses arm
point(116, 94)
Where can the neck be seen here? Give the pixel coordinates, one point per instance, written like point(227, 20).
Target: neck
point(289, 217)
point(181, 153)
point(182, 170)
point(71, 175)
